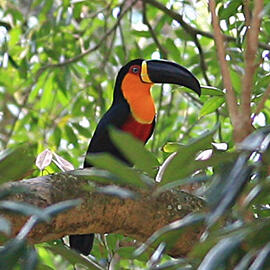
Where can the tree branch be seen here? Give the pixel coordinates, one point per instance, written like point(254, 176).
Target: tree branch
point(101, 213)
point(250, 65)
point(192, 30)
point(230, 95)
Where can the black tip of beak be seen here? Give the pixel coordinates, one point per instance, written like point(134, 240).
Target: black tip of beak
point(161, 71)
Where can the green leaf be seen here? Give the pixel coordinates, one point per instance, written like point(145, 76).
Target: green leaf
point(11, 165)
point(262, 259)
point(174, 51)
point(11, 253)
point(118, 168)
point(71, 135)
point(25, 209)
point(246, 261)
point(229, 10)
point(171, 233)
point(30, 259)
point(177, 167)
point(14, 36)
point(236, 81)
point(47, 97)
point(211, 105)
point(255, 140)
point(211, 91)
point(135, 152)
point(23, 69)
point(171, 147)
point(219, 253)
point(141, 33)
point(116, 191)
point(128, 253)
point(174, 184)
point(73, 257)
point(82, 130)
point(5, 226)
point(60, 207)
point(97, 175)
point(233, 181)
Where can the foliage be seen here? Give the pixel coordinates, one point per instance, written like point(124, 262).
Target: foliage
point(58, 64)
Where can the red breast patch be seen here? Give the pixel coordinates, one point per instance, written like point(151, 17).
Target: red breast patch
point(138, 130)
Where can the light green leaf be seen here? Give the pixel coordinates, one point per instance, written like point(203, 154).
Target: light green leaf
point(179, 165)
point(211, 91)
point(211, 105)
point(24, 158)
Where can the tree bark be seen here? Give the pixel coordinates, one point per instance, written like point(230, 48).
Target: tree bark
point(101, 213)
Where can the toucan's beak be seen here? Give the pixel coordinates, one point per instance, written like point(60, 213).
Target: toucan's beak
point(161, 71)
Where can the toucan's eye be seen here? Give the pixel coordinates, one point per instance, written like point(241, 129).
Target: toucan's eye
point(135, 70)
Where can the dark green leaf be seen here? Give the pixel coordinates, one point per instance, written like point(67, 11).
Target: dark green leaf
point(234, 182)
point(30, 259)
point(255, 140)
point(245, 261)
point(135, 152)
point(219, 253)
point(171, 233)
point(11, 253)
point(116, 167)
point(262, 260)
point(25, 209)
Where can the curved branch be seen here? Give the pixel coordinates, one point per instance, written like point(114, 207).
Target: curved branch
point(192, 30)
point(101, 213)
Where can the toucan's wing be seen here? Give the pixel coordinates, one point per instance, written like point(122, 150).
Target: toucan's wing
point(116, 116)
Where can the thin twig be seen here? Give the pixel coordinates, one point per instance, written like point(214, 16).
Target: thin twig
point(192, 30)
point(230, 95)
point(202, 60)
point(92, 49)
point(162, 50)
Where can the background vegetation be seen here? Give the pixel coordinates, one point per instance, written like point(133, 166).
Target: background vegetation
point(58, 62)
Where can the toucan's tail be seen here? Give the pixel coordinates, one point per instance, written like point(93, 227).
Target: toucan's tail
point(82, 243)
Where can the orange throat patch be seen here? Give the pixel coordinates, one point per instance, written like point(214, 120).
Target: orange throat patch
point(138, 96)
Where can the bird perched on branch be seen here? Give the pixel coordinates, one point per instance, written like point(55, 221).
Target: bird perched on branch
point(132, 111)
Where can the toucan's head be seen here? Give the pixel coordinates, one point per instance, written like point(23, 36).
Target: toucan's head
point(135, 79)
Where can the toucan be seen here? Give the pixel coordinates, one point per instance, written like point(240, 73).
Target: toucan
point(132, 111)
